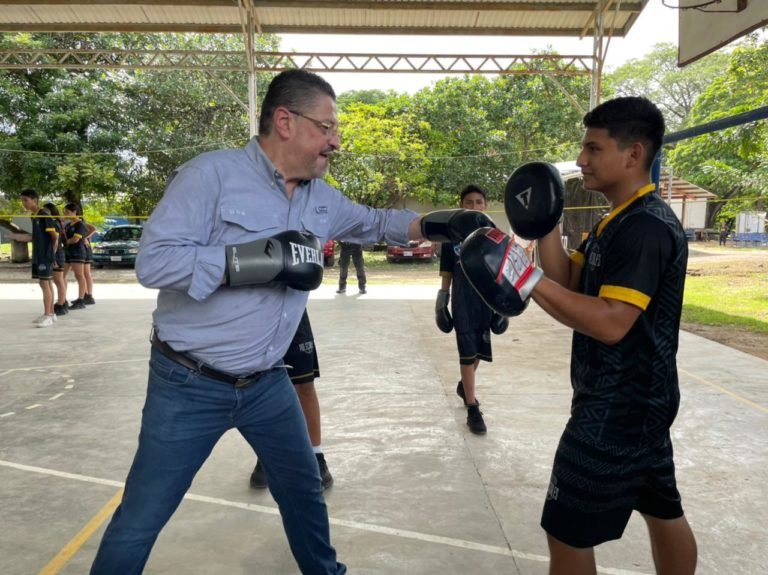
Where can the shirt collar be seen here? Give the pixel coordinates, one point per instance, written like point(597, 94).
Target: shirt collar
point(647, 189)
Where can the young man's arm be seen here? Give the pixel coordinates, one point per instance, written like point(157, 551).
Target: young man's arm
point(606, 320)
point(555, 262)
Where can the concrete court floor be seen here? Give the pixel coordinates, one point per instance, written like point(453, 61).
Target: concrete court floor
point(414, 491)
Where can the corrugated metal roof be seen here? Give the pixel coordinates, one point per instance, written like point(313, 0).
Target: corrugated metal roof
point(434, 17)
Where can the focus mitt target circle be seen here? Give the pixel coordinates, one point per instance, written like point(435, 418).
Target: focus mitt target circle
point(534, 199)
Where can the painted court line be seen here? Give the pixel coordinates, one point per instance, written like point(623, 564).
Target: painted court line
point(73, 545)
point(727, 392)
point(46, 368)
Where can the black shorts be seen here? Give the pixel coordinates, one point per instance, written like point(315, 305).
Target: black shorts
point(301, 356)
point(42, 268)
point(88, 253)
point(474, 345)
point(595, 487)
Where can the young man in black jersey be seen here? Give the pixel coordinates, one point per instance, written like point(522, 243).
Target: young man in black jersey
point(44, 238)
point(622, 292)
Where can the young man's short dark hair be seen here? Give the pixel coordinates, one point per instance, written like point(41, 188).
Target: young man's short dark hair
point(628, 120)
point(29, 193)
point(473, 189)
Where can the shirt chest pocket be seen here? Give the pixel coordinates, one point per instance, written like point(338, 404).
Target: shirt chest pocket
point(317, 224)
point(249, 224)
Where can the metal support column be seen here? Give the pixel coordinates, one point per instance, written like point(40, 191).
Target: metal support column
point(248, 21)
point(598, 57)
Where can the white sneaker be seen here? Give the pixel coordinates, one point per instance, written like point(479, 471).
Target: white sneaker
point(39, 318)
point(47, 321)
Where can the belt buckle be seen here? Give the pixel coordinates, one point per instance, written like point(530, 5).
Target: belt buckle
point(243, 381)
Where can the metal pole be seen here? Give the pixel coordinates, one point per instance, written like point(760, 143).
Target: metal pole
point(597, 58)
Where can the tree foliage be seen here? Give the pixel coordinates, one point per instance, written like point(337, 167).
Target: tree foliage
point(732, 163)
point(674, 90)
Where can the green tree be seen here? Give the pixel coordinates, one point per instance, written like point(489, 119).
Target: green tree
point(732, 163)
point(383, 160)
point(657, 77)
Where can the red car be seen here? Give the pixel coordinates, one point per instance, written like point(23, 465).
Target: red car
point(414, 251)
point(328, 258)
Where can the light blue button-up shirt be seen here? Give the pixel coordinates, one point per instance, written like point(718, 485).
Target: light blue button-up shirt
point(230, 197)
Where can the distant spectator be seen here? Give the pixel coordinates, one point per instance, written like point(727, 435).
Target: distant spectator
point(355, 252)
point(723, 234)
point(61, 307)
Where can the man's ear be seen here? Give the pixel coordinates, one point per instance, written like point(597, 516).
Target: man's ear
point(282, 122)
point(636, 154)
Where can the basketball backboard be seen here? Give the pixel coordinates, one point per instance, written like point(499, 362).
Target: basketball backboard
point(706, 25)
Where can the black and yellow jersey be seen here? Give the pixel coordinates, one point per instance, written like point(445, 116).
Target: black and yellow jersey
point(628, 393)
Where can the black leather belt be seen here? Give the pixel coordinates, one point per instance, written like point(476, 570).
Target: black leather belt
point(199, 367)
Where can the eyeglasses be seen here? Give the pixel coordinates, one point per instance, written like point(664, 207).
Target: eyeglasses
point(328, 129)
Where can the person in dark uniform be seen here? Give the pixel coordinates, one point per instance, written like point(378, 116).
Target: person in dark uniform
point(87, 268)
point(60, 307)
point(621, 292)
point(469, 315)
point(76, 252)
point(355, 253)
point(303, 369)
point(44, 238)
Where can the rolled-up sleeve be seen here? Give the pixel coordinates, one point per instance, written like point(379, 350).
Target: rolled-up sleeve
point(174, 253)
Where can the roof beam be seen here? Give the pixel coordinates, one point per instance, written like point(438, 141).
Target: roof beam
point(512, 64)
point(584, 6)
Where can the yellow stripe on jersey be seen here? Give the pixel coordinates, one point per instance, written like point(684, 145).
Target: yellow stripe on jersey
point(50, 230)
point(627, 295)
point(578, 258)
point(647, 189)
point(77, 236)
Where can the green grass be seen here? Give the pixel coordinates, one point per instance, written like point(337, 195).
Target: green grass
point(5, 250)
point(736, 300)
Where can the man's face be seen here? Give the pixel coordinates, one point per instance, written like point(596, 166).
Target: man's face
point(316, 138)
point(29, 204)
point(603, 164)
point(474, 201)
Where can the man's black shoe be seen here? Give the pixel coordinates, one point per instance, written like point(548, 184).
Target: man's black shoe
point(60, 309)
point(88, 299)
point(362, 291)
point(77, 304)
point(475, 419)
point(258, 477)
point(325, 475)
point(341, 290)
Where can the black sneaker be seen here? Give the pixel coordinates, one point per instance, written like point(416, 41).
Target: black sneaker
point(77, 304)
point(325, 475)
point(88, 299)
point(362, 291)
point(60, 309)
point(258, 477)
point(475, 419)
point(341, 290)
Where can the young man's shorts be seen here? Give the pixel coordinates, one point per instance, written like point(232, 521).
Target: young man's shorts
point(302, 355)
point(42, 268)
point(474, 345)
point(88, 253)
point(595, 487)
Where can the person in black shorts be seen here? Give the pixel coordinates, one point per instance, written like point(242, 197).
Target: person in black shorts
point(76, 252)
point(44, 239)
point(303, 368)
point(88, 267)
point(60, 306)
point(621, 292)
point(470, 316)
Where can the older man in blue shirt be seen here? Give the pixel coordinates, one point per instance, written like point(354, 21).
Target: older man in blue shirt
point(216, 359)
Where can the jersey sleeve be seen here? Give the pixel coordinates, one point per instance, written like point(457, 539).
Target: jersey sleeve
point(447, 258)
point(636, 260)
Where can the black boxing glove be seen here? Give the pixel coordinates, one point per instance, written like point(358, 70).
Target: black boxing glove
point(443, 317)
point(499, 271)
point(453, 225)
point(499, 324)
point(292, 258)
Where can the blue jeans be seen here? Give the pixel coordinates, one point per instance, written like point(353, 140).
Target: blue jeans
point(184, 416)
